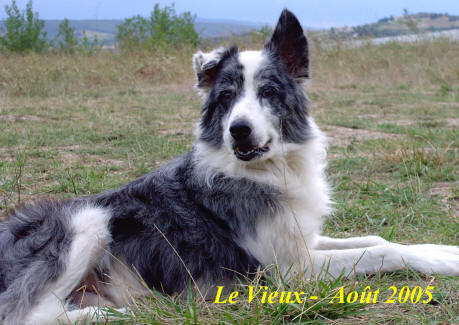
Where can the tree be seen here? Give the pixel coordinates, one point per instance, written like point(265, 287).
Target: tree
point(24, 31)
point(163, 28)
point(66, 38)
point(88, 46)
point(133, 33)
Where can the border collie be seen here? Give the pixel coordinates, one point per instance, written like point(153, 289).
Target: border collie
point(251, 193)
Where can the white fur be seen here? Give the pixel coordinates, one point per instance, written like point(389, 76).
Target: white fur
point(383, 258)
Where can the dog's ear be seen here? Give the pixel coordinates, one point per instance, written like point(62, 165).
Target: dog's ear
point(290, 43)
point(206, 67)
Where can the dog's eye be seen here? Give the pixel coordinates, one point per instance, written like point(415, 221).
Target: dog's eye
point(226, 94)
point(268, 92)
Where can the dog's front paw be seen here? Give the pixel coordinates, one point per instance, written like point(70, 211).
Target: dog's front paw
point(432, 247)
point(433, 259)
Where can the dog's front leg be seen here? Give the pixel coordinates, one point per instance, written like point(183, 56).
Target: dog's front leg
point(382, 258)
point(327, 243)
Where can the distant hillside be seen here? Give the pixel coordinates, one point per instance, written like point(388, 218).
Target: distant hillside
point(402, 25)
point(106, 29)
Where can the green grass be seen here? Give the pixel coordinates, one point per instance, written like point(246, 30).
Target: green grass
point(77, 127)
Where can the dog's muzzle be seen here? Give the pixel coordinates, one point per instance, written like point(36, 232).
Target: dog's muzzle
point(243, 146)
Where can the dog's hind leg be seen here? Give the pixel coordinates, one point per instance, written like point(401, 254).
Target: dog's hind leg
point(91, 236)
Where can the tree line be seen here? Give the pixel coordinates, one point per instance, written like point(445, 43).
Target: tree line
point(164, 28)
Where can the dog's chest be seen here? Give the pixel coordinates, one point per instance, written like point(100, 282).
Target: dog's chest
point(283, 237)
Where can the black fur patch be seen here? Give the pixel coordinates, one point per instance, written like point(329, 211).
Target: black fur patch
point(229, 79)
point(288, 62)
point(288, 41)
point(288, 102)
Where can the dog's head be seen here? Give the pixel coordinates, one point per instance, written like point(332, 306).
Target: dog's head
point(253, 100)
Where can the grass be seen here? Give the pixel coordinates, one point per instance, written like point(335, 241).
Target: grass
point(76, 125)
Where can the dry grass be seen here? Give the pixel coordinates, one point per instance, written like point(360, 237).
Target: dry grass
point(61, 74)
point(416, 65)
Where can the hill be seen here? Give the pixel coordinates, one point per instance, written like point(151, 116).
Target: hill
point(401, 25)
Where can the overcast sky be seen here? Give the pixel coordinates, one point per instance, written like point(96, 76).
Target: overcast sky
point(315, 13)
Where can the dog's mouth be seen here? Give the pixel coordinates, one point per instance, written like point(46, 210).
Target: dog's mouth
point(249, 152)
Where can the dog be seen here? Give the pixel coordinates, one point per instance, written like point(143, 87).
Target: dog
point(252, 192)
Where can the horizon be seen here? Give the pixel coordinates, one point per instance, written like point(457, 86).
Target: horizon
point(314, 14)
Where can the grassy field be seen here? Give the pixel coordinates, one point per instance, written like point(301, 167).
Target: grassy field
point(76, 125)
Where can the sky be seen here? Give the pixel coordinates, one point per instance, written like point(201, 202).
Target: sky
point(313, 13)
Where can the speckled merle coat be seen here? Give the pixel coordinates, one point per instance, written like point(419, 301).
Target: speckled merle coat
point(251, 193)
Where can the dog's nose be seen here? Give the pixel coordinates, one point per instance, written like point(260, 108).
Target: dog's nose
point(240, 130)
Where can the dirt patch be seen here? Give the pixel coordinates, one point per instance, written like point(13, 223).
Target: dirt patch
point(148, 70)
point(72, 147)
point(342, 136)
point(452, 121)
point(376, 116)
point(400, 122)
point(447, 198)
point(70, 158)
point(70, 155)
point(177, 132)
point(5, 156)
point(107, 161)
point(13, 118)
